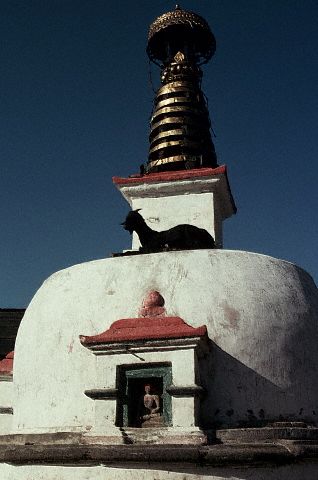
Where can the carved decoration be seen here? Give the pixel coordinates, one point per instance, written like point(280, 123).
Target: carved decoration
point(152, 305)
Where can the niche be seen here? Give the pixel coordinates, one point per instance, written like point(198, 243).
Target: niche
point(143, 400)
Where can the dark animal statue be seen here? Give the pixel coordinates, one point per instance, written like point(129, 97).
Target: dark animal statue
point(181, 237)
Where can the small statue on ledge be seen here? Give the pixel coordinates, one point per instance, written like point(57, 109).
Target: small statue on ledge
point(151, 403)
point(181, 237)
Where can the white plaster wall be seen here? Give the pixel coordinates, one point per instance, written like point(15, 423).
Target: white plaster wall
point(106, 365)
point(6, 393)
point(6, 399)
point(261, 313)
point(292, 472)
point(5, 424)
point(182, 408)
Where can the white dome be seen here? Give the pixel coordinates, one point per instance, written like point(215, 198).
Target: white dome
point(261, 314)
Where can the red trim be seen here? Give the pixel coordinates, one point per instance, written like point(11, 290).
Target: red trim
point(176, 175)
point(144, 329)
point(6, 365)
point(170, 176)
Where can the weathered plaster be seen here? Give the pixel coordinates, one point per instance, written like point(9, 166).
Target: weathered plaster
point(6, 400)
point(261, 314)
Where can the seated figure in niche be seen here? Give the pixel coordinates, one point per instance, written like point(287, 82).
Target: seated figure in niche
point(151, 416)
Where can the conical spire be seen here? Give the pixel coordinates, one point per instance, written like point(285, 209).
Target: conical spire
point(179, 42)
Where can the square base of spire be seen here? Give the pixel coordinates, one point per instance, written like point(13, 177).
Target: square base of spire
point(200, 197)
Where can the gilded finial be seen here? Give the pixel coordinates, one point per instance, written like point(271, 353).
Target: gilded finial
point(179, 42)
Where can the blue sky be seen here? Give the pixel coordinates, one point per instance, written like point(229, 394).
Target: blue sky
point(75, 105)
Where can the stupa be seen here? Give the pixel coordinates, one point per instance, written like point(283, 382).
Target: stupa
point(180, 364)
